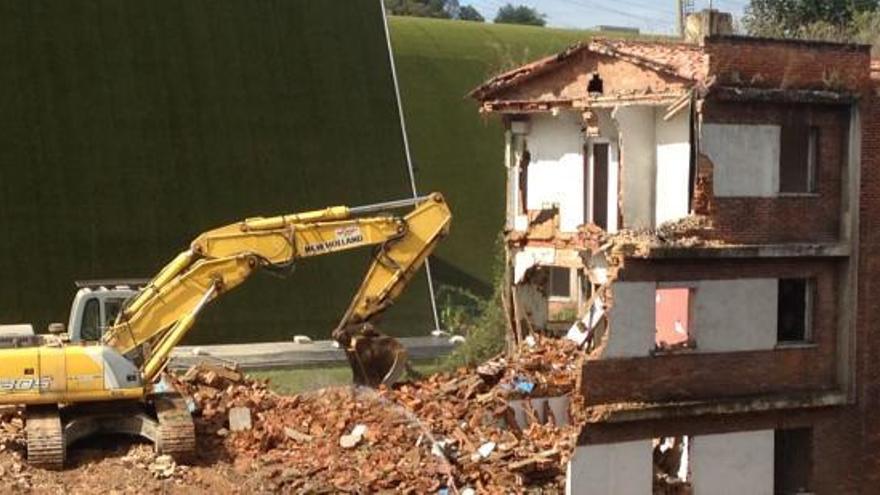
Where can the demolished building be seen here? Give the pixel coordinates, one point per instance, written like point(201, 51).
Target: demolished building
point(702, 216)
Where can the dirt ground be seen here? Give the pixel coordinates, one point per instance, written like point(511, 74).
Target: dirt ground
point(122, 465)
point(446, 433)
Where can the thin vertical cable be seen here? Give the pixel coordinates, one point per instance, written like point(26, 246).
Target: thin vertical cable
point(409, 165)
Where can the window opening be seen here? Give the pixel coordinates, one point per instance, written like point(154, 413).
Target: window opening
point(794, 310)
point(90, 330)
point(673, 317)
point(792, 456)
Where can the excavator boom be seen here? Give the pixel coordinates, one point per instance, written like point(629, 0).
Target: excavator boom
point(74, 389)
point(77, 388)
point(161, 314)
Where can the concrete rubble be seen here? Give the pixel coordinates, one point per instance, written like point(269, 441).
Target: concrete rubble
point(506, 426)
point(448, 431)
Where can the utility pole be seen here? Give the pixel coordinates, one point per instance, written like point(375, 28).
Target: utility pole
point(680, 10)
point(683, 8)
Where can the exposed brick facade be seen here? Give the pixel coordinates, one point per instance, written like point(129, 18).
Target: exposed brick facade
point(838, 457)
point(791, 218)
point(846, 438)
point(692, 375)
point(818, 82)
point(767, 63)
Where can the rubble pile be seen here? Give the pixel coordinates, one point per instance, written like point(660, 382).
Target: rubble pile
point(488, 422)
point(502, 427)
point(690, 231)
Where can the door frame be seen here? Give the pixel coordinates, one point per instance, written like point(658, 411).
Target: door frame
point(613, 173)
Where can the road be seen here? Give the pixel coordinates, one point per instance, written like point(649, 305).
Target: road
point(291, 354)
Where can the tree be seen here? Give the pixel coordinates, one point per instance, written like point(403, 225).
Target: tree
point(521, 14)
point(827, 19)
point(443, 9)
point(469, 13)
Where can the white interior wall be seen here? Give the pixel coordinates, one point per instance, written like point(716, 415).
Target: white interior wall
point(745, 158)
point(556, 168)
point(735, 315)
point(636, 127)
point(513, 148)
point(631, 320)
point(732, 463)
point(612, 469)
point(673, 166)
point(728, 316)
point(532, 304)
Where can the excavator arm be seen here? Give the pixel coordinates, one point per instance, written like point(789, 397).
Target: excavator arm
point(160, 315)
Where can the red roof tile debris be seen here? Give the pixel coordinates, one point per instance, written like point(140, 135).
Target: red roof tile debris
point(684, 60)
point(679, 59)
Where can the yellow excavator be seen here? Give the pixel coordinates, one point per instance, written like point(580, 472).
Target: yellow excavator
point(72, 388)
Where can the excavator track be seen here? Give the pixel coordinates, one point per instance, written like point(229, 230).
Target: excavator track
point(45, 437)
point(176, 432)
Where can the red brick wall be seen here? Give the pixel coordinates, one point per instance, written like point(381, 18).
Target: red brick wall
point(846, 448)
point(836, 451)
point(693, 375)
point(784, 64)
point(784, 218)
point(864, 422)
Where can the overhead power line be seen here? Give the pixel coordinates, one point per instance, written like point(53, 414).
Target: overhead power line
point(592, 5)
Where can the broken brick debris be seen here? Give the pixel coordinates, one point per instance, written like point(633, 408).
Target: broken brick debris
point(447, 431)
point(450, 432)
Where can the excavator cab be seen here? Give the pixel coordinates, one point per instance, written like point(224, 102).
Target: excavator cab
point(96, 305)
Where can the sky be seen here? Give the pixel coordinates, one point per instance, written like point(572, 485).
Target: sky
point(650, 16)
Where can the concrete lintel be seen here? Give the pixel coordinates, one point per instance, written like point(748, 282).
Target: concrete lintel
point(628, 412)
point(793, 250)
point(780, 95)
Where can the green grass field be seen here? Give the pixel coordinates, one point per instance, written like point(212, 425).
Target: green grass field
point(291, 381)
point(454, 149)
point(130, 126)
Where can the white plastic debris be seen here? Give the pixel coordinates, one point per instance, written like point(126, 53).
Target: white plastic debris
point(439, 448)
point(530, 341)
point(578, 333)
point(457, 339)
point(302, 339)
point(486, 449)
point(352, 439)
point(468, 491)
point(581, 330)
point(439, 333)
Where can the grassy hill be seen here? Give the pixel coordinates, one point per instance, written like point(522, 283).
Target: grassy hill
point(454, 149)
point(130, 126)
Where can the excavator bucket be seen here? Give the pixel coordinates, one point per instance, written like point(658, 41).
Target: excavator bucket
point(375, 359)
